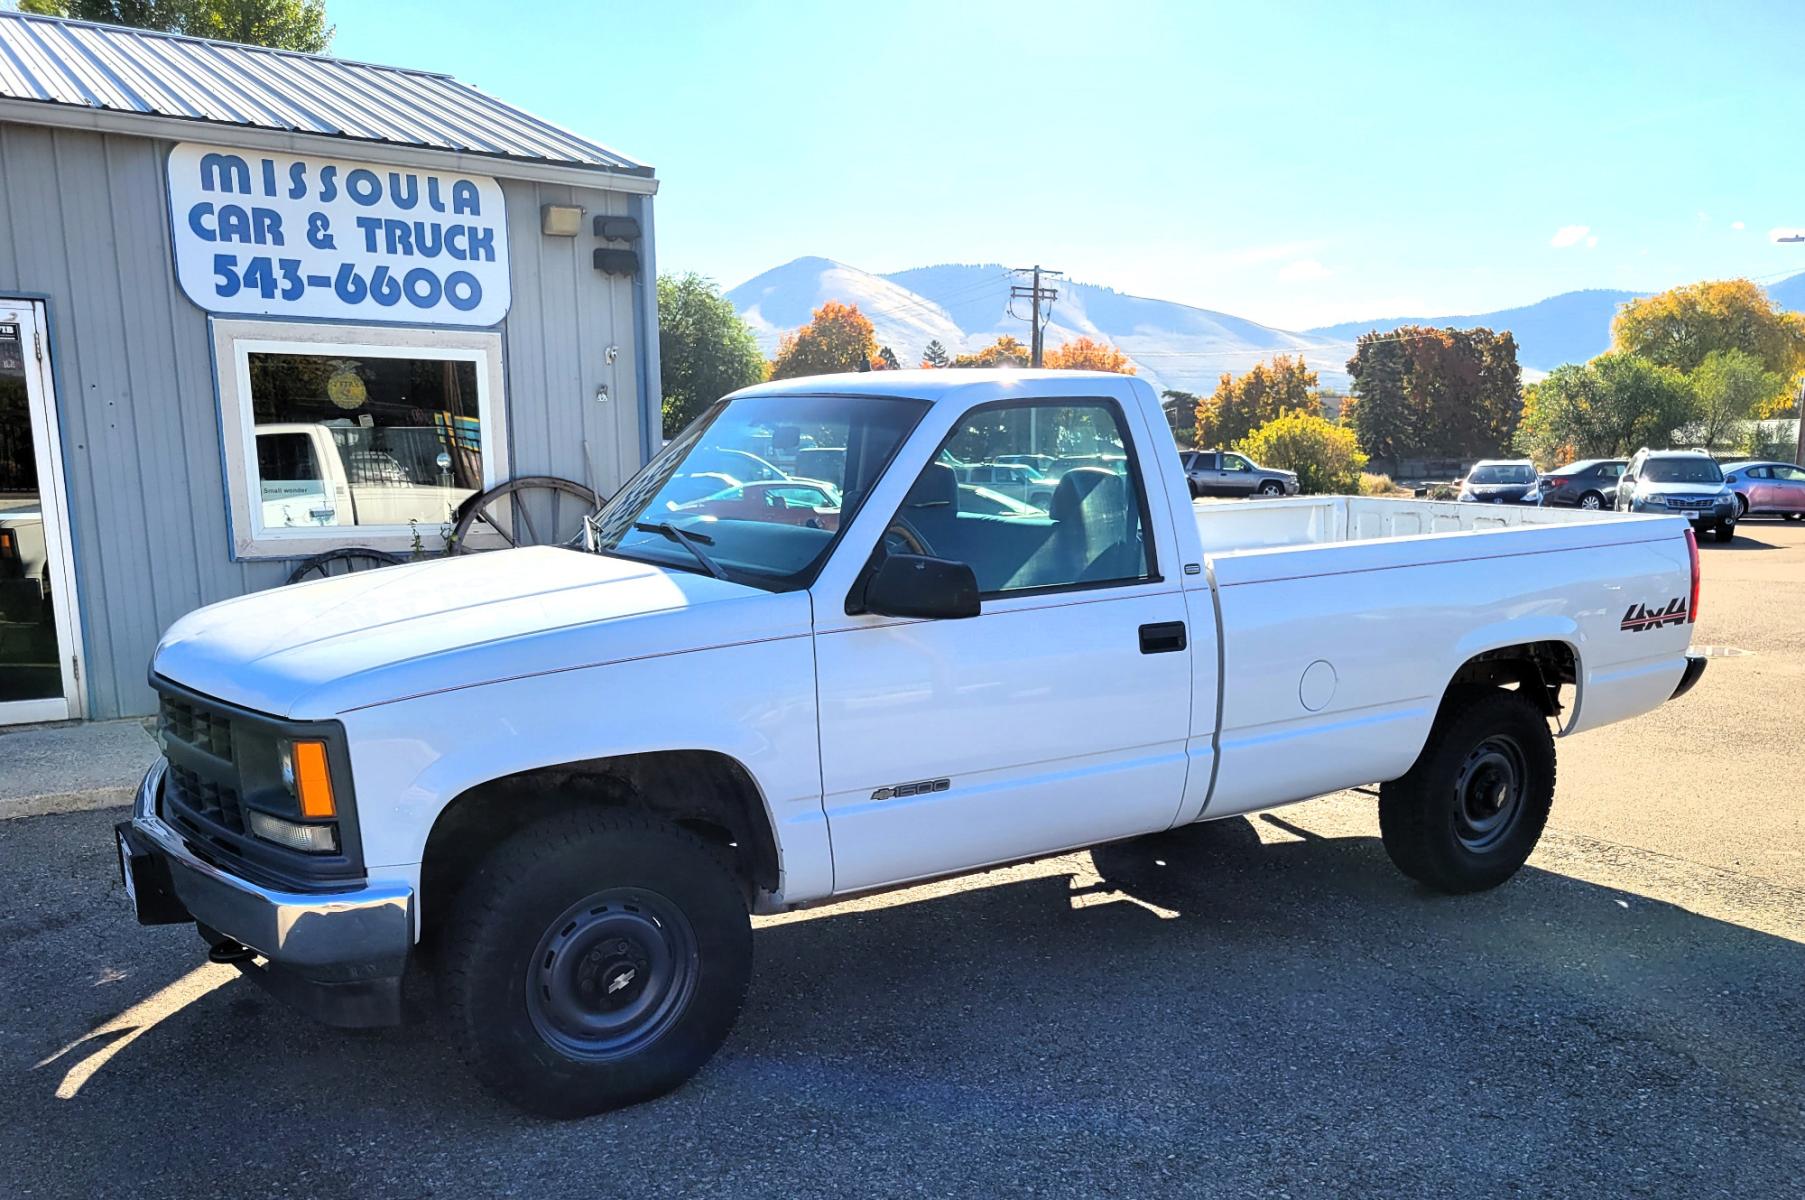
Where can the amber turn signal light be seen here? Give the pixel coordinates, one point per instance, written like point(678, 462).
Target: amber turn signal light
point(313, 783)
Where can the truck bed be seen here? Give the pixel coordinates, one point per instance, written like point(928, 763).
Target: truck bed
point(1227, 526)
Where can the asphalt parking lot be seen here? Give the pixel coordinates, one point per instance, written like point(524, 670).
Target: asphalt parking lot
point(1250, 1007)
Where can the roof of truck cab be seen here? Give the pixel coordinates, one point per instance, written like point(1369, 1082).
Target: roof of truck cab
point(936, 385)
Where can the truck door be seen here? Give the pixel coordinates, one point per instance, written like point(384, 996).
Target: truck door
point(1056, 718)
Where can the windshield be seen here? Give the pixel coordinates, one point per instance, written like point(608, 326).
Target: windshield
point(762, 485)
point(1503, 473)
point(1681, 470)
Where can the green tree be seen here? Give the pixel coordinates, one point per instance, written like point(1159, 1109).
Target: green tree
point(1181, 415)
point(1607, 408)
point(704, 349)
point(1324, 454)
point(838, 338)
point(281, 24)
point(1435, 392)
point(1681, 327)
point(1731, 386)
point(885, 360)
point(935, 355)
point(1242, 403)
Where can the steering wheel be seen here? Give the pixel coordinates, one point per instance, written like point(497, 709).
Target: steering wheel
point(903, 537)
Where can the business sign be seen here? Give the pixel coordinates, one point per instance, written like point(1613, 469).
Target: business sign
point(285, 235)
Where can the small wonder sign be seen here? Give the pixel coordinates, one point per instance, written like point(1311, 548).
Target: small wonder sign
point(286, 235)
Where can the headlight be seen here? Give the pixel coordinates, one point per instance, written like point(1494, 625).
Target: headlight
point(308, 839)
point(1532, 495)
point(1467, 497)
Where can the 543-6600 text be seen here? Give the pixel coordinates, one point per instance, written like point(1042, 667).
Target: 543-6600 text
point(270, 278)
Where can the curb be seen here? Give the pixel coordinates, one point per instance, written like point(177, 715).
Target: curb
point(67, 802)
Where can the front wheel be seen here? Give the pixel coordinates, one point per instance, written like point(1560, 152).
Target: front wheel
point(1467, 815)
point(595, 959)
point(1272, 488)
point(1725, 533)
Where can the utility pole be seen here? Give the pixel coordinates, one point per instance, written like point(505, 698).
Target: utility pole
point(1798, 454)
point(1035, 295)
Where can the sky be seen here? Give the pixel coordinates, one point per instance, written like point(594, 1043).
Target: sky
point(1297, 164)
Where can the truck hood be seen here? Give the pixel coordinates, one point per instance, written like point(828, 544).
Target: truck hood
point(318, 649)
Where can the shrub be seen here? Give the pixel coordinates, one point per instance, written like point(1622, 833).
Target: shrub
point(1324, 455)
point(1377, 485)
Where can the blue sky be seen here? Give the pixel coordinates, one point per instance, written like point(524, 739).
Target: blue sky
point(1295, 163)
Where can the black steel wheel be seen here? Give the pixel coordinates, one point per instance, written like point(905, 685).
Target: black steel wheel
point(594, 959)
point(346, 560)
point(611, 974)
point(534, 510)
point(1467, 814)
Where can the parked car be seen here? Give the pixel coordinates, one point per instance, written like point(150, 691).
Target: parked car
point(573, 776)
point(1501, 481)
point(983, 500)
point(1590, 483)
point(1767, 488)
point(1686, 482)
point(1225, 473)
point(1018, 480)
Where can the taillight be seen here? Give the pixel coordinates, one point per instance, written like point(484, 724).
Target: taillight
point(1692, 553)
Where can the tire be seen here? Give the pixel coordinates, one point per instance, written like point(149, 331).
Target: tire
point(1270, 488)
point(1437, 821)
point(1591, 501)
point(656, 914)
point(1742, 506)
point(1725, 532)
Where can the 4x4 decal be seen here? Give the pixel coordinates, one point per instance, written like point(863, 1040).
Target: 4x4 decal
point(1641, 616)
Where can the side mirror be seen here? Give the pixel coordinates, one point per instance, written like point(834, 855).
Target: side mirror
point(913, 585)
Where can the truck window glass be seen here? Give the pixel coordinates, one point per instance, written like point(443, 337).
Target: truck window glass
point(1081, 522)
point(769, 481)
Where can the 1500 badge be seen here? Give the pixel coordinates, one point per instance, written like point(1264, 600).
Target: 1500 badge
point(923, 788)
point(1640, 616)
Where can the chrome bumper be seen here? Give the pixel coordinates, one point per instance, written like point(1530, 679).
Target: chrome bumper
point(335, 937)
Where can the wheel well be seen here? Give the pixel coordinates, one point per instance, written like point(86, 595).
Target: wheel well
point(704, 791)
point(1538, 669)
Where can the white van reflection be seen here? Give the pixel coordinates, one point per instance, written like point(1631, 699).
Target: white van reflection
point(324, 475)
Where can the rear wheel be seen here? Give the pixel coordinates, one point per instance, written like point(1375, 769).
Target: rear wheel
point(1592, 501)
point(1467, 815)
point(595, 959)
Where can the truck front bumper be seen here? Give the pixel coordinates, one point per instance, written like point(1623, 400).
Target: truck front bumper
point(339, 955)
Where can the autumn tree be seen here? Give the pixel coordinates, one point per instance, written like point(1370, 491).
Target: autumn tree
point(1087, 354)
point(1731, 387)
point(1681, 327)
point(1439, 393)
point(281, 24)
point(935, 355)
point(838, 338)
point(1004, 352)
point(1607, 408)
point(1241, 404)
point(1324, 454)
point(885, 360)
point(704, 349)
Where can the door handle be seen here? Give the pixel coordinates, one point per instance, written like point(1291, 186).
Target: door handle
point(1163, 637)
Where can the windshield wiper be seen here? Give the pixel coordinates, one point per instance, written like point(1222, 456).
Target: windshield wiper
point(689, 541)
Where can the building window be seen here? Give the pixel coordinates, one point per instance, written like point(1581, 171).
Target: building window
point(340, 435)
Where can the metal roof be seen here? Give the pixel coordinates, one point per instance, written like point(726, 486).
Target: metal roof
point(115, 69)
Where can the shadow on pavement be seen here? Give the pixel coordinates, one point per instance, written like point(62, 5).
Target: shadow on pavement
point(1199, 1007)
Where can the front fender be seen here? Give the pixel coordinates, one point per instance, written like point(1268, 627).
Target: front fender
point(753, 702)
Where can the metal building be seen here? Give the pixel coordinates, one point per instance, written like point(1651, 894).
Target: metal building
point(257, 304)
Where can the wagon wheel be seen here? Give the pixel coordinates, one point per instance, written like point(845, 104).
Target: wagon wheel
point(534, 510)
point(345, 560)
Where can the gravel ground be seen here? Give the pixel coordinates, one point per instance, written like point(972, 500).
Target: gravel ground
point(1252, 1007)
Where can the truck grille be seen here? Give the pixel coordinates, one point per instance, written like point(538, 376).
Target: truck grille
point(196, 727)
point(205, 798)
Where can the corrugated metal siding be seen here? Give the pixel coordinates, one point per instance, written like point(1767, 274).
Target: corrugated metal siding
point(86, 224)
point(157, 74)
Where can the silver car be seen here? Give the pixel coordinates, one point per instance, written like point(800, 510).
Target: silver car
point(1685, 482)
point(1225, 473)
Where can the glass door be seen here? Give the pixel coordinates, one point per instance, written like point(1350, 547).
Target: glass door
point(39, 673)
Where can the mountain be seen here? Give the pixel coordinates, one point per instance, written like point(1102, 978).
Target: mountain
point(1571, 327)
point(966, 307)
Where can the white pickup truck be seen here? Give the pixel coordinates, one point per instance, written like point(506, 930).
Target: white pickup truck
point(558, 782)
